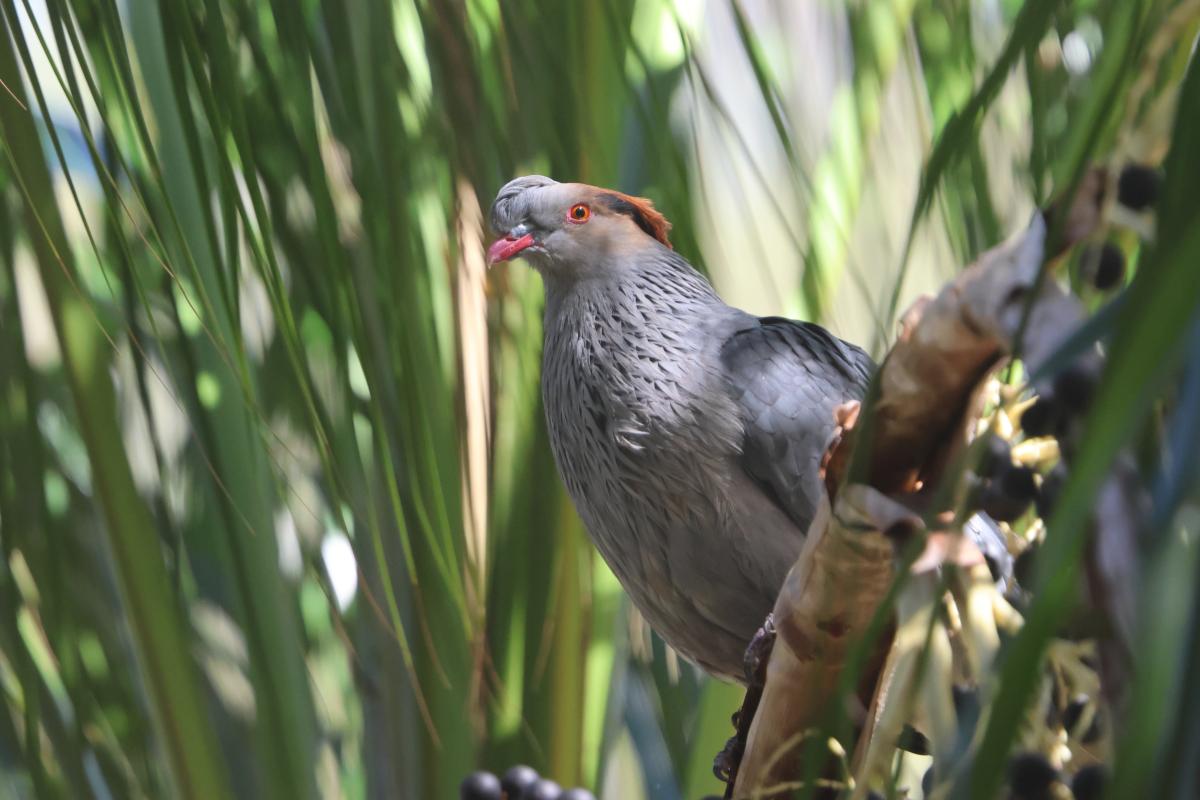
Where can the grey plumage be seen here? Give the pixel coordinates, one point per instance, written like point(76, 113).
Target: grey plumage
point(789, 376)
point(688, 433)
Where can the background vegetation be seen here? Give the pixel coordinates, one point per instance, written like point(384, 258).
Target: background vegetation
point(277, 513)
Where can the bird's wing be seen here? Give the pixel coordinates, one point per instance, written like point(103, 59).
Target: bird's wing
point(787, 378)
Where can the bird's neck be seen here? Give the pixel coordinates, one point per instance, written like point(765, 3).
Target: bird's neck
point(651, 290)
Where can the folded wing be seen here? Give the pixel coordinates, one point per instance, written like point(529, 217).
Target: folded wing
point(787, 378)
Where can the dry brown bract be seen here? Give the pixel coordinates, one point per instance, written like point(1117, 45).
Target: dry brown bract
point(926, 406)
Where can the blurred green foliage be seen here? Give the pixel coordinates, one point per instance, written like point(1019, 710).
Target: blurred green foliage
point(277, 512)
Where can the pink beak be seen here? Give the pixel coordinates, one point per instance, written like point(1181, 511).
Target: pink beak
point(508, 247)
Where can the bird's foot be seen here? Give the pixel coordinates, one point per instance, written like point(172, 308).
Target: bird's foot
point(729, 760)
point(757, 653)
point(726, 763)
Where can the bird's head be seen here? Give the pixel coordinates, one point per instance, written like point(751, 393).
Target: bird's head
point(570, 229)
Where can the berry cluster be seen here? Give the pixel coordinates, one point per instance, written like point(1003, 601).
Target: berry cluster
point(1006, 489)
point(1032, 777)
point(1102, 265)
point(518, 783)
point(1005, 486)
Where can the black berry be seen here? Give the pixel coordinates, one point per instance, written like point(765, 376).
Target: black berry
point(1074, 711)
point(1018, 483)
point(480, 786)
point(1002, 505)
point(996, 457)
point(1138, 186)
point(1072, 715)
point(913, 741)
point(1088, 783)
point(544, 789)
point(517, 779)
point(1041, 418)
point(1031, 776)
point(1074, 387)
point(1050, 489)
point(1106, 268)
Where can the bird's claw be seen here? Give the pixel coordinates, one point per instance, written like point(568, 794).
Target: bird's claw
point(726, 763)
point(758, 651)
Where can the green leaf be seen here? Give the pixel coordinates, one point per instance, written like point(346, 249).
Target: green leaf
point(157, 625)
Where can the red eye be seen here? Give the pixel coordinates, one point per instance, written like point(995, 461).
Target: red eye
point(579, 213)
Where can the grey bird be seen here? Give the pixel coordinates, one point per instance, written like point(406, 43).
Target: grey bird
point(688, 433)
